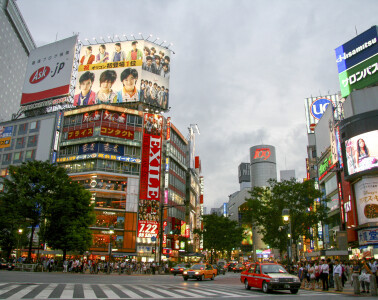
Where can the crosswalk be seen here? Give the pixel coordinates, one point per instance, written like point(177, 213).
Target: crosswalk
point(13, 291)
point(36, 291)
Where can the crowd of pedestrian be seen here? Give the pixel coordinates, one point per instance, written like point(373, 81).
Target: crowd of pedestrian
point(326, 273)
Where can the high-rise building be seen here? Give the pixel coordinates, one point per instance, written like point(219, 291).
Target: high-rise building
point(16, 43)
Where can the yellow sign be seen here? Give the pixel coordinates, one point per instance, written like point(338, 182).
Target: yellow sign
point(5, 142)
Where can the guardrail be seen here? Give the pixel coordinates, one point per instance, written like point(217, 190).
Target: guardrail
point(26, 267)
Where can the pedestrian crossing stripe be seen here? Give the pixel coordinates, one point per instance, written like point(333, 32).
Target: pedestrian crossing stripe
point(13, 291)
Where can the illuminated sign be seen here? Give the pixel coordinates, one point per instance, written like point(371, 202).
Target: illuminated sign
point(319, 106)
point(368, 236)
point(118, 133)
point(262, 153)
point(48, 71)
point(357, 49)
point(151, 160)
point(366, 192)
point(359, 76)
point(325, 165)
point(147, 229)
point(80, 133)
point(5, 136)
point(101, 156)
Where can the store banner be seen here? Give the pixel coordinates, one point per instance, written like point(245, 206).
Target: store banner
point(150, 176)
point(366, 192)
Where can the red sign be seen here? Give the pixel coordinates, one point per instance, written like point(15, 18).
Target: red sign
point(91, 117)
point(312, 126)
point(119, 133)
point(80, 133)
point(262, 153)
point(151, 161)
point(168, 128)
point(114, 117)
point(187, 231)
point(39, 75)
point(148, 229)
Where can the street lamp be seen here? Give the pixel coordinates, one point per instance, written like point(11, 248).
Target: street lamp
point(111, 231)
point(287, 221)
point(18, 243)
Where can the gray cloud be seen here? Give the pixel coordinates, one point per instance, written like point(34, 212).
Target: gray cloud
point(241, 70)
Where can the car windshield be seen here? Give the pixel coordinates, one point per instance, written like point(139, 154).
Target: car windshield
point(273, 269)
point(198, 267)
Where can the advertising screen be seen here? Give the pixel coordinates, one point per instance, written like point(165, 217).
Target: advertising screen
point(362, 152)
point(48, 72)
point(123, 72)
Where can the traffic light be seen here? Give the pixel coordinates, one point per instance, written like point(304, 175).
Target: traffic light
point(153, 250)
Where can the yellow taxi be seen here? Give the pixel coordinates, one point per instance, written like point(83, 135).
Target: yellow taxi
point(200, 272)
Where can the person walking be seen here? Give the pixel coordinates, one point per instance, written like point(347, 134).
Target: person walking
point(337, 273)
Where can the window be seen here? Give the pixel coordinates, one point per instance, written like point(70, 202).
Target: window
point(34, 126)
point(22, 128)
point(17, 157)
point(30, 154)
point(32, 141)
point(7, 158)
point(20, 143)
point(3, 172)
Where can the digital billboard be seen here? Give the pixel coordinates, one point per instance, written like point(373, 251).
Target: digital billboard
point(315, 108)
point(362, 152)
point(150, 174)
point(48, 72)
point(123, 72)
point(357, 62)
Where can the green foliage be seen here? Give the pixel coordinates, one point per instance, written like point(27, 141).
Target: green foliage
point(221, 233)
point(33, 194)
point(265, 210)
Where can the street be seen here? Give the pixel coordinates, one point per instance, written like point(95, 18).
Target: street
point(26, 285)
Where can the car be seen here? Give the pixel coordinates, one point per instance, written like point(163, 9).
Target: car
point(3, 264)
point(179, 268)
point(238, 268)
point(230, 267)
point(268, 277)
point(200, 272)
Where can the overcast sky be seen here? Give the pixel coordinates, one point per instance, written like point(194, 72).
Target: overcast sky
point(241, 69)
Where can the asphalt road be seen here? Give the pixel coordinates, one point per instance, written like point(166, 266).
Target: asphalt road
point(26, 285)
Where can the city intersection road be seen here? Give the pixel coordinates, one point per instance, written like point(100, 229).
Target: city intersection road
point(24, 285)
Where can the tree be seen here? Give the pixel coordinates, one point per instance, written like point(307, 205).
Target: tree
point(220, 234)
point(31, 194)
point(266, 205)
point(70, 217)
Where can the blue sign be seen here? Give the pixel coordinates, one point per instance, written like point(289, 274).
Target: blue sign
point(153, 238)
point(326, 234)
point(319, 106)
point(225, 209)
point(6, 131)
point(357, 50)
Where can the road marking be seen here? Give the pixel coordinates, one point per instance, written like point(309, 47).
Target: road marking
point(47, 291)
point(131, 294)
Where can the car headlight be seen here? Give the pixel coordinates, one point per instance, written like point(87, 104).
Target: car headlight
point(197, 273)
point(275, 280)
point(185, 273)
point(296, 279)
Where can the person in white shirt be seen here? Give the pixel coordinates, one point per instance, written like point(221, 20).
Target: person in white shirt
point(337, 272)
point(325, 274)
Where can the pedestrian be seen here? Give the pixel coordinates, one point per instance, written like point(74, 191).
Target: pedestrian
point(365, 277)
point(337, 273)
point(65, 265)
point(330, 278)
point(317, 274)
point(312, 276)
point(325, 274)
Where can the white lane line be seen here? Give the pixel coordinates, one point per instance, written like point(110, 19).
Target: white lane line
point(67, 292)
point(108, 292)
point(128, 292)
point(147, 292)
point(46, 292)
point(89, 292)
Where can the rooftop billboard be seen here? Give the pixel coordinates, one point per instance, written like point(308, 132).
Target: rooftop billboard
point(357, 61)
point(123, 72)
point(48, 72)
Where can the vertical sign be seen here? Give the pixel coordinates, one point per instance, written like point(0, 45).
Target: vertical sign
point(149, 194)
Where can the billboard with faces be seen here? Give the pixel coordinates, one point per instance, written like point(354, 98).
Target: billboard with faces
point(123, 72)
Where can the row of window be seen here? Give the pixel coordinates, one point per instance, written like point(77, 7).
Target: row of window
point(23, 128)
point(178, 141)
point(177, 169)
point(174, 181)
point(97, 132)
point(102, 165)
point(181, 158)
point(111, 149)
point(17, 157)
point(22, 142)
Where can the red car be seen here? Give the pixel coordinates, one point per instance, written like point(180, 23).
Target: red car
point(268, 277)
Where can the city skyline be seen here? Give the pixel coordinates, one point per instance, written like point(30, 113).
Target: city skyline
point(241, 72)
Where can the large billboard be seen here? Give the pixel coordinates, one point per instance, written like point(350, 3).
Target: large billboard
point(150, 174)
point(357, 62)
point(123, 72)
point(315, 108)
point(362, 152)
point(366, 192)
point(48, 72)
